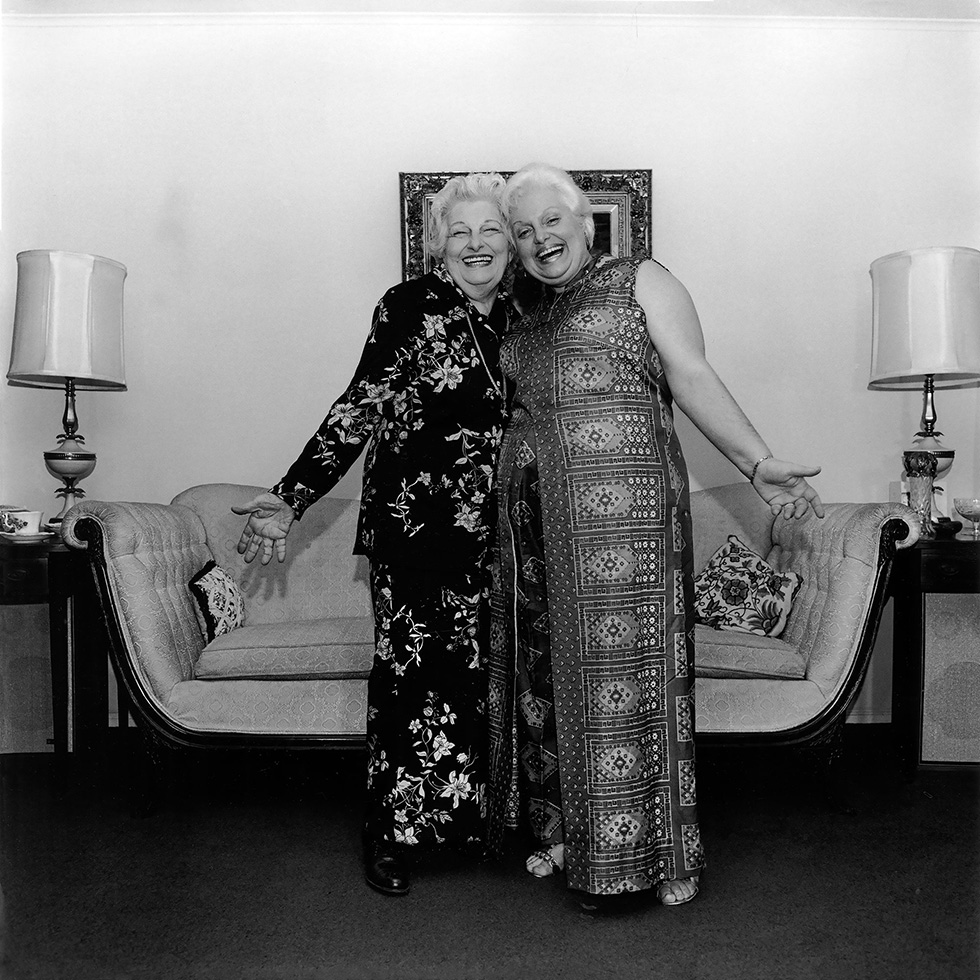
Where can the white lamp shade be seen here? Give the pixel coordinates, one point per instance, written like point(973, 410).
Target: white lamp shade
point(68, 321)
point(926, 318)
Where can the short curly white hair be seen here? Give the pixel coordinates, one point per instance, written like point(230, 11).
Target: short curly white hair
point(546, 175)
point(472, 187)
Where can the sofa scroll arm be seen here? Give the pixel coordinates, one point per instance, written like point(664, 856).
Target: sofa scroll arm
point(85, 534)
point(897, 532)
point(895, 536)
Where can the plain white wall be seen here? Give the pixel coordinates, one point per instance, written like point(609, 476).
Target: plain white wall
point(245, 169)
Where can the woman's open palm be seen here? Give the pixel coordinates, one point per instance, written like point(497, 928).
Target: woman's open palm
point(269, 521)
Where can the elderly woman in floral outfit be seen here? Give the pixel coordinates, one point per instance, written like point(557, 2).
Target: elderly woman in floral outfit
point(427, 401)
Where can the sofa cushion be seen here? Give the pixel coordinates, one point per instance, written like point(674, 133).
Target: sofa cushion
point(739, 590)
point(336, 648)
point(218, 602)
point(719, 653)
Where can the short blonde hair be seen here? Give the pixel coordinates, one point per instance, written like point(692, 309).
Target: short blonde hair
point(545, 175)
point(473, 187)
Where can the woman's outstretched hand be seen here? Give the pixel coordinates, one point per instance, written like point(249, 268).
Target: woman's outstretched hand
point(783, 486)
point(269, 521)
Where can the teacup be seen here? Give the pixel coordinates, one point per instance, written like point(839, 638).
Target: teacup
point(20, 521)
point(6, 522)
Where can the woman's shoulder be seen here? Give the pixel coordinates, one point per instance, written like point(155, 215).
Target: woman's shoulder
point(616, 274)
point(653, 271)
point(657, 287)
point(617, 271)
point(414, 291)
point(408, 303)
point(629, 262)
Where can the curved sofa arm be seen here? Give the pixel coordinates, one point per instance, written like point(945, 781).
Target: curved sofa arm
point(845, 561)
point(143, 555)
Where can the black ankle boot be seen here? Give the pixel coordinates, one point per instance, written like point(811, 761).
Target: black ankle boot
point(385, 868)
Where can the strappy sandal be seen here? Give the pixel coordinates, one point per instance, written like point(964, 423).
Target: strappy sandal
point(546, 857)
point(663, 893)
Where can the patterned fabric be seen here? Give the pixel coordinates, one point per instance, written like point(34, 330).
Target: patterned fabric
point(739, 590)
point(220, 605)
point(592, 416)
point(427, 401)
point(535, 715)
point(426, 719)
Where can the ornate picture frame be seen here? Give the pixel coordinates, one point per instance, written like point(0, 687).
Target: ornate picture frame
point(620, 199)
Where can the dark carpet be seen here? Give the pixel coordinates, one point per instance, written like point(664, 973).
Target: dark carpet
point(251, 871)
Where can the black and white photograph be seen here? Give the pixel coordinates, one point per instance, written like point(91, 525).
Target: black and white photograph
point(490, 490)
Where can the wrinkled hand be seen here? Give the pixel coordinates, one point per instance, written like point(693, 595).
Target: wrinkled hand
point(783, 486)
point(269, 521)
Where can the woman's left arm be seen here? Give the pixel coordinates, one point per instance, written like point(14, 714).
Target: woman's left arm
point(675, 330)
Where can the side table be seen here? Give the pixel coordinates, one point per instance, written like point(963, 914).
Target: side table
point(48, 572)
point(936, 565)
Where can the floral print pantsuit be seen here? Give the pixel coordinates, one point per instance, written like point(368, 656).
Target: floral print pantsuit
point(426, 722)
point(427, 402)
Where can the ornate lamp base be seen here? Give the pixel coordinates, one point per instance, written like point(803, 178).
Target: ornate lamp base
point(70, 462)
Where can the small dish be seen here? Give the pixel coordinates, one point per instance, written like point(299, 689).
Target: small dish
point(27, 538)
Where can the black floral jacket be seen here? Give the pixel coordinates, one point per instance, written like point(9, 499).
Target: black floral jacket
point(427, 400)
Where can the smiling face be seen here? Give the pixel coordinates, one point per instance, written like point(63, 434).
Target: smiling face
point(550, 237)
point(477, 248)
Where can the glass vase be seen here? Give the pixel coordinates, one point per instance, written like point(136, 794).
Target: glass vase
point(920, 471)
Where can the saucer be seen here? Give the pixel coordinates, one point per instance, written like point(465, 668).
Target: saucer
point(27, 538)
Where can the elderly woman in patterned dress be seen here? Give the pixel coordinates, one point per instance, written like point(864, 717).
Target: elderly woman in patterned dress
point(592, 632)
point(427, 400)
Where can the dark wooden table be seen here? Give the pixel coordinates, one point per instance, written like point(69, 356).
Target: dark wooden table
point(936, 565)
point(48, 572)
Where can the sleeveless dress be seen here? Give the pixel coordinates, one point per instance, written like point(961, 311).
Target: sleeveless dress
point(591, 701)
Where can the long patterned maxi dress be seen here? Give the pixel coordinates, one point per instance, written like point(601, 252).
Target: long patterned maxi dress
point(592, 646)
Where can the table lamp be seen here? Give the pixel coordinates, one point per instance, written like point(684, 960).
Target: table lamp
point(925, 330)
point(68, 333)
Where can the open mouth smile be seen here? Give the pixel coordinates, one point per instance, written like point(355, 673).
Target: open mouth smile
point(551, 253)
point(478, 260)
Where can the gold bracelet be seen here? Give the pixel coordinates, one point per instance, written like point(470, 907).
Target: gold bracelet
point(755, 469)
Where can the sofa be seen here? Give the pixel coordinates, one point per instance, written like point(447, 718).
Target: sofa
point(295, 673)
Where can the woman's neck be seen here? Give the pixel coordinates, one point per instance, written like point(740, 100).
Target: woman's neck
point(586, 266)
point(483, 302)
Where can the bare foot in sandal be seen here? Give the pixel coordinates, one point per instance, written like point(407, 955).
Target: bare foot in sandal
point(544, 863)
point(677, 892)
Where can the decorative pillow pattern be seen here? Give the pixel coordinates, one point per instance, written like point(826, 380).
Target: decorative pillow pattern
point(220, 604)
point(739, 590)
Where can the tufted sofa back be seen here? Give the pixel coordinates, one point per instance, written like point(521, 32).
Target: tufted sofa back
point(732, 509)
point(320, 576)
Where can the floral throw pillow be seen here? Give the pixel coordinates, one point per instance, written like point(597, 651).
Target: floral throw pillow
point(219, 603)
point(739, 590)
